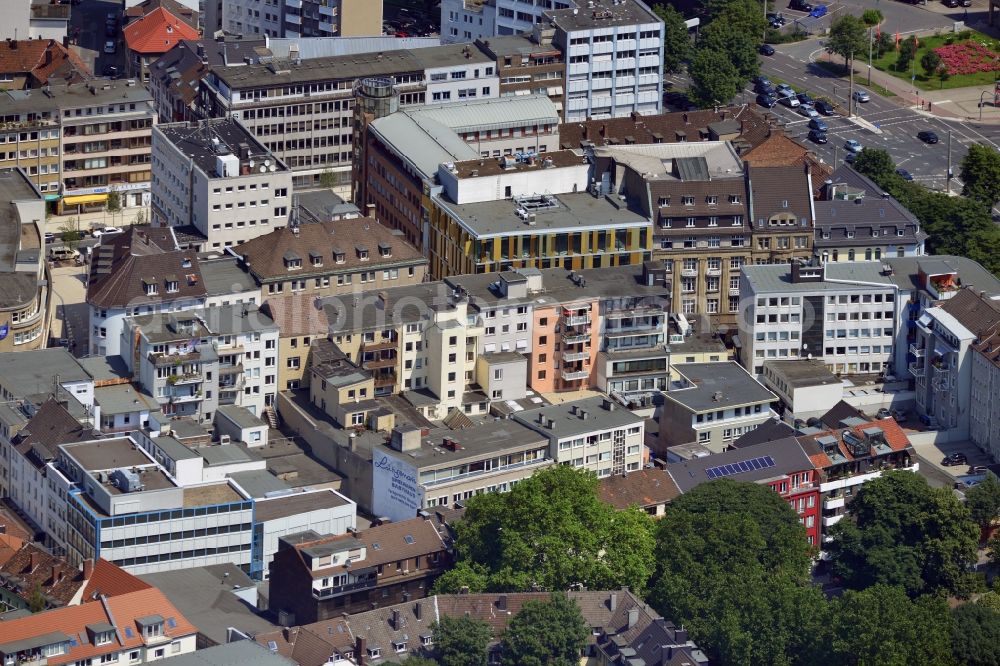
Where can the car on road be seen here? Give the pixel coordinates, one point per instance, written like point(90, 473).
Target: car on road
point(927, 136)
point(824, 107)
point(804, 98)
point(849, 158)
point(766, 101)
point(817, 124)
point(957, 458)
point(49, 237)
point(106, 231)
point(766, 49)
point(951, 4)
point(861, 96)
point(110, 71)
point(111, 18)
point(110, 30)
point(904, 174)
point(800, 5)
point(817, 136)
point(109, 46)
point(818, 11)
point(852, 146)
point(808, 111)
point(977, 469)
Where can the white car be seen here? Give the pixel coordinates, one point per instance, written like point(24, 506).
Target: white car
point(861, 96)
point(109, 46)
point(788, 99)
point(106, 231)
point(808, 111)
point(853, 145)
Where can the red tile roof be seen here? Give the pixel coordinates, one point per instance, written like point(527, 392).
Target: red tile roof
point(41, 59)
point(73, 620)
point(157, 32)
point(895, 437)
point(8, 546)
point(111, 580)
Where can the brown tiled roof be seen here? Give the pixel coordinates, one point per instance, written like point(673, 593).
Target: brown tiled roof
point(386, 543)
point(778, 149)
point(266, 254)
point(41, 59)
point(11, 524)
point(9, 545)
point(30, 568)
point(895, 437)
point(644, 488)
point(973, 310)
point(117, 270)
point(111, 580)
point(771, 188)
point(51, 426)
point(296, 315)
point(664, 127)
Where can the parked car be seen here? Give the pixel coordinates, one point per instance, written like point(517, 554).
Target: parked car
point(766, 49)
point(965, 3)
point(817, 136)
point(784, 88)
point(804, 98)
point(788, 100)
point(927, 136)
point(807, 111)
point(951, 4)
point(849, 158)
point(861, 96)
point(817, 124)
point(110, 71)
point(61, 253)
point(776, 20)
point(106, 231)
point(49, 237)
point(109, 46)
point(766, 90)
point(818, 11)
point(957, 458)
point(824, 107)
point(800, 5)
point(978, 469)
point(110, 30)
point(904, 174)
point(766, 101)
point(761, 79)
point(899, 415)
point(853, 145)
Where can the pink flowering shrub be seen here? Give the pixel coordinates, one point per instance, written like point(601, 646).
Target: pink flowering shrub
point(967, 58)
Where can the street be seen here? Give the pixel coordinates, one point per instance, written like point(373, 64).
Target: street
point(88, 27)
point(70, 318)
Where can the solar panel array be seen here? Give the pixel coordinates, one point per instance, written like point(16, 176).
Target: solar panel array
point(751, 465)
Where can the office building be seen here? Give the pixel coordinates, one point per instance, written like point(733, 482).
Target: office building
point(215, 176)
point(24, 292)
point(528, 64)
point(31, 143)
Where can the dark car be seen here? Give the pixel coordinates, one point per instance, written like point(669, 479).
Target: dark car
point(850, 157)
point(110, 30)
point(965, 3)
point(766, 90)
point(766, 49)
point(904, 174)
point(111, 71)
point(804, 98)
point(817, 136)
point(800, 5)
point(954, 459)
point(927, 136)
point(766, 101)
point(951, 4)
point(761, 80)
point(824, 107)
point(817, 124)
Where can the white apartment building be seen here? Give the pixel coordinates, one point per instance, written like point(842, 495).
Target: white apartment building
point(215, 176)
point(846, 315)
point(468, 20)
point(595, 434)
point(984, 397)
point(458, 73)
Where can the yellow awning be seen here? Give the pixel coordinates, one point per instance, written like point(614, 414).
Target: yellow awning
point(84, 199)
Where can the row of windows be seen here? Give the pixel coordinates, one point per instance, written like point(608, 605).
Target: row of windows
point(174, 536)
point(175, 514)
point(181, 555)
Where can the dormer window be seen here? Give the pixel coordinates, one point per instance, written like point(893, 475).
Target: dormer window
point(362, 252)
point(374, 652)
point(399, 646)
point(171, 284)
point(151, 626)
point(850, 234)
point(339, 256)
point(900, 233)
point(384, 250)
point(149, 286)
point(734, 198)
point(688, 201)
point(826, 235)
point(292, 261)
point(664, 201)
point(874, 233)
point(784, 203)
point(711, 200)
point(315, 258)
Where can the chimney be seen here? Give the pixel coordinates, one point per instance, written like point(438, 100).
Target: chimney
point(418, 610)
point(502, 602)
point(681, 635)
point(395, 621)
point(36, 559)
point(88, 569)
point(57, 573)
point(633, 617)
point(613, 601)
point(361, 650)
point(666, 654)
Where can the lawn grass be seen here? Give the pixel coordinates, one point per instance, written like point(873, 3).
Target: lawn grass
point(887, 63)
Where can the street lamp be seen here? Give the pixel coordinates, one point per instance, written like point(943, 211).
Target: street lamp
point(981, 103)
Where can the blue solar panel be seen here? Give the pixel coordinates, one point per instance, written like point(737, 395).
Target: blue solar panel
point(753, 464)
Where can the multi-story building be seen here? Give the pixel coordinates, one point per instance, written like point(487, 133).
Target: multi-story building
point(984, 396)
point(846, 458)
point(528, 64)
point(695, 194)
point(215, 176)
point(316, 577)
point(30, 141)
point(614, 58)
point(37, 19)
point(248, 19)
point(416, 471)
point(780, 464)
point(137, 627)
point(24, 291)
point(32, 63)
point(845, 314)
point(151, 36)
point(534, 211)
point(193, 361)
point(856, 220)
point(781, 214)
point(595, 434)
point(124, 272)
point(332, 18)
point(713, 404)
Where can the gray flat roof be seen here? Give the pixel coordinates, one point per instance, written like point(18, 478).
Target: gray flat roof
point(220, 320)
point(492, 438)
point(97, 92)
point(174, 448)
point(447, 55)
point(123, 399)
point(346, 67)
point(258, 482)
point(603, 14)
point(194, 139)
point(296, 503)
point(971, 273)
point(568, 424)
point(107, 454)
point(728, 378)
point(33, 372)
point(105, 368)
point(237, 653)
point(577, 211)
point(779, 457)
point(857, 275)
point(15, 288)
point(241, 416)
point(322, 205)
point(803, 372)
point(225, 454)
point(224, 276)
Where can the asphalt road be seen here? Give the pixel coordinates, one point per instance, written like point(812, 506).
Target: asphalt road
point(87, 25)
point(898, 125)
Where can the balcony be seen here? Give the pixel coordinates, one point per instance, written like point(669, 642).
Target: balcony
point(330, 592)
point(574, 375)
point(380, 362)
point(576, 356)
point(916, 351)
point(917, 369)
point(576, 320)
point(713, 271)
point(576, 338)
point(834, 503)
point(379, 345)
point(388, 379)
point(830, 521)
point(635, 329)
point(185, 398)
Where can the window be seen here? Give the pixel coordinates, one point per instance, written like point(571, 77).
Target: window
point(293, 362)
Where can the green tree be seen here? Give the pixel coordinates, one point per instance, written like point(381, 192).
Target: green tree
point(876, 164)
point(327, 179)
point(139, 219)
point(676, 40)
point(552, 530)
point(70, 235)
point(733, 566)
point(729, 38)
point(900, 531)
point(114, 202)
point(981, 174)
point(545, 633)
point(943, 74)
point(461, 641)
point(848, 37)
point(931, 62)
point(881, 626)
point(991, 599)
point(976, 635)
point(983, 501)
point(871, 17)
point(464, 576)
point(907, 52)
point(714, 79)
point(36, 602)
point(884, 43)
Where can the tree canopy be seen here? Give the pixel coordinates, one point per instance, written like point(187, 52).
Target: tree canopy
point(461, 641)
point(876, 164)
point(714, 78)
point(900, 531)
point(545, 633)
point(676, 41)
point(848, 37)
point(976, 635)
point(551, 530)
point(980, 173)
point(983, 501)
